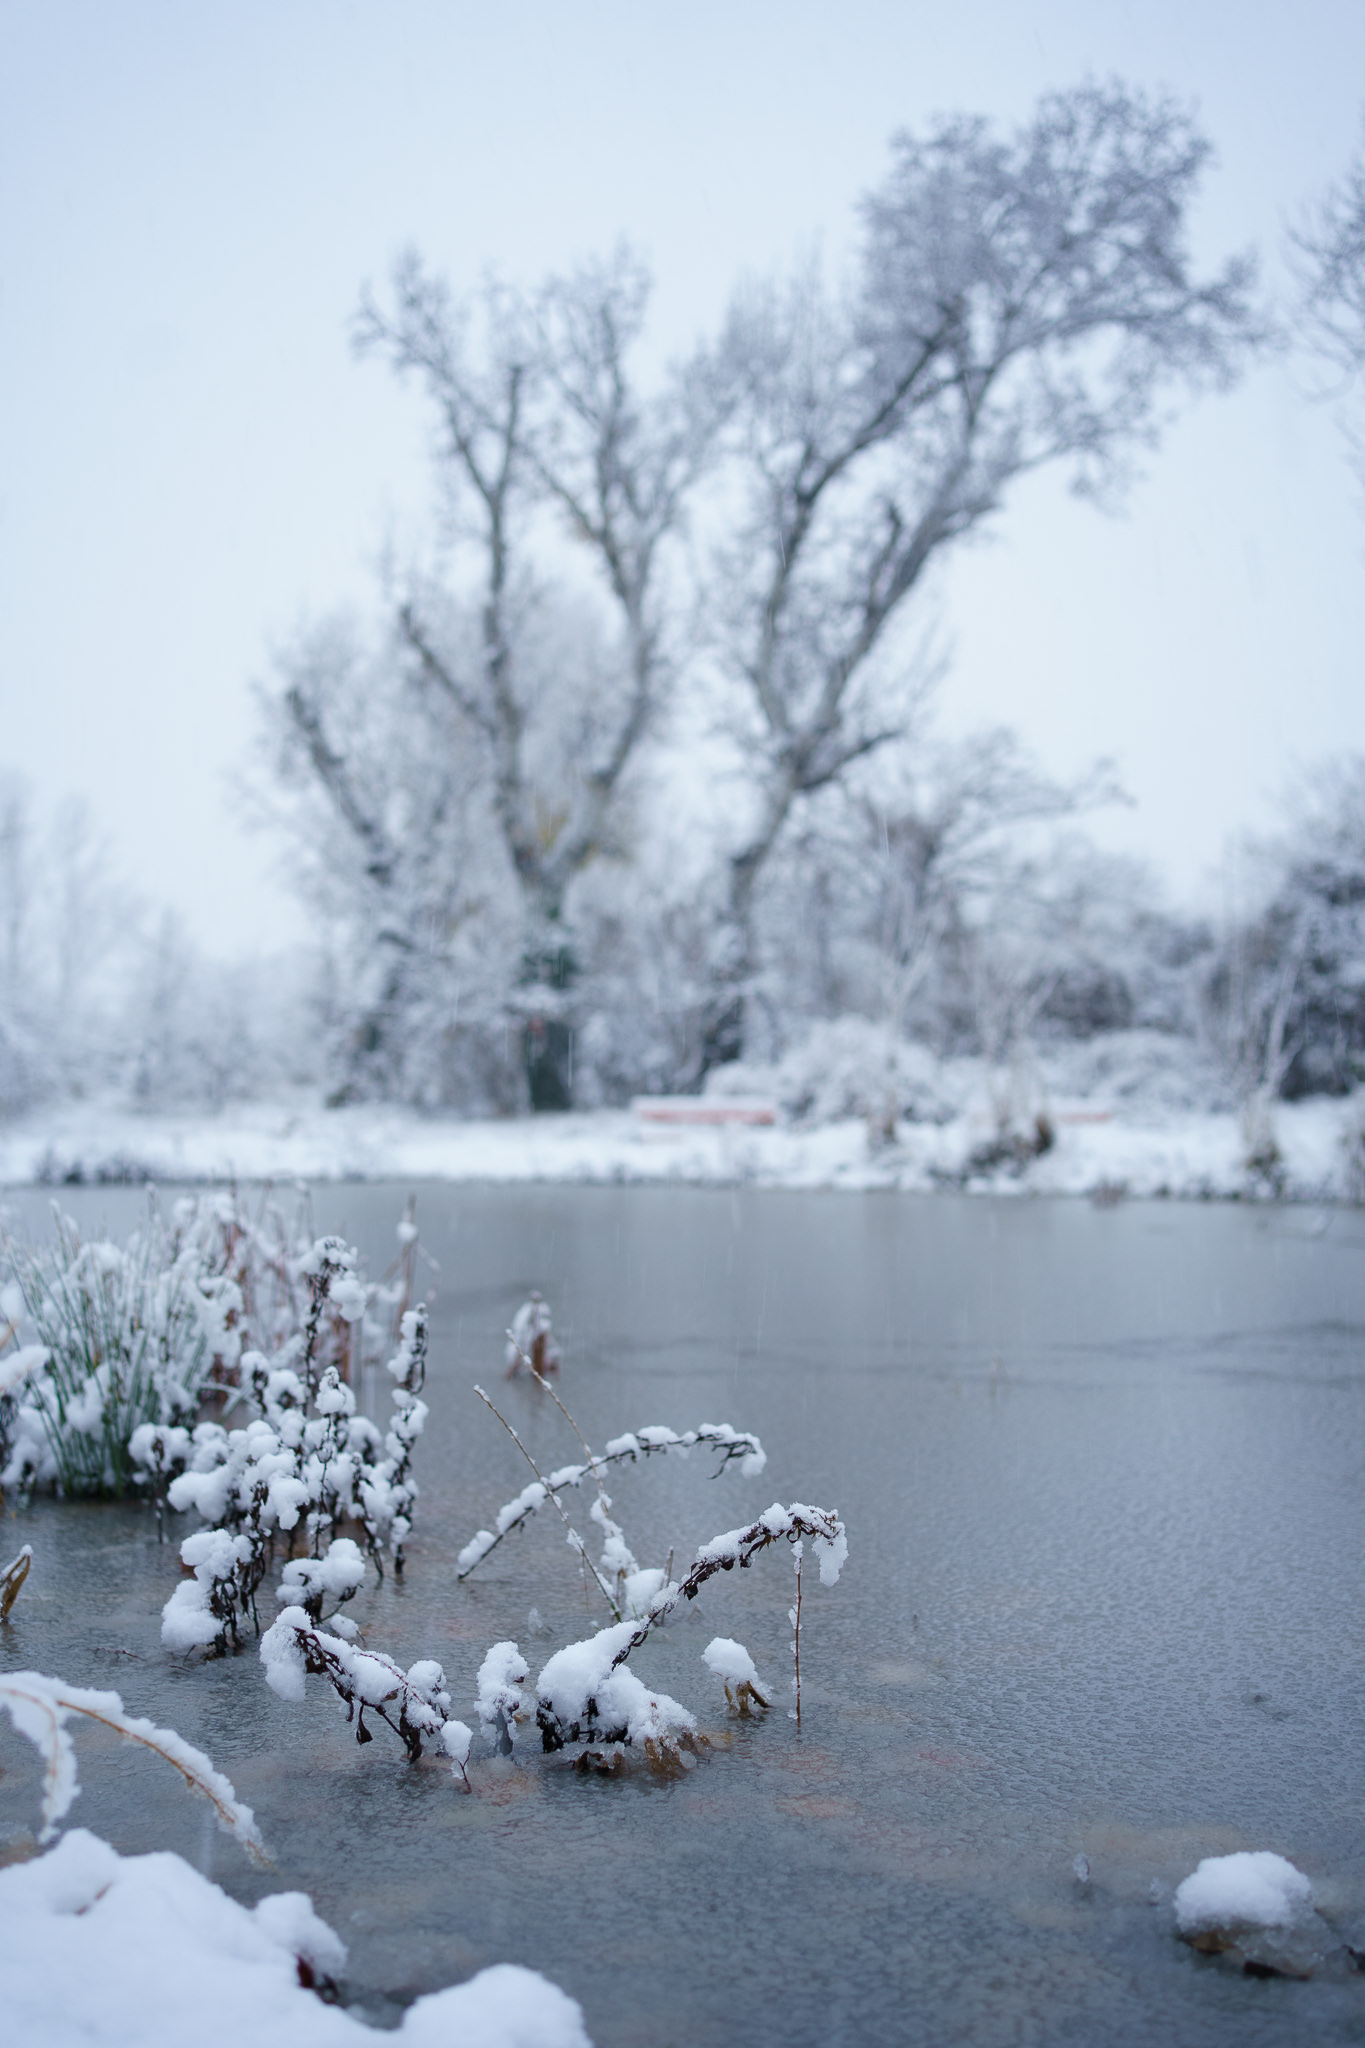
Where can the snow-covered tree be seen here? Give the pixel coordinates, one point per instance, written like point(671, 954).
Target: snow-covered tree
point(1329, 257)
point(1018, 302)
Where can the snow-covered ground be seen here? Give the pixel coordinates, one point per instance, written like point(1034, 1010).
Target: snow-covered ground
point(117, 1951)
point(1100, 1146)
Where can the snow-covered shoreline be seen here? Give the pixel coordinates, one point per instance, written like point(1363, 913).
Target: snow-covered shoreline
point(1096, 1150)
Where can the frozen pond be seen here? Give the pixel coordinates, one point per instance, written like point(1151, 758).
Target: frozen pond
point(1104, 1478)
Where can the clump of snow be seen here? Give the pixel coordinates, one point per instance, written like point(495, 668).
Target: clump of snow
point(730, 1661)
point(851, 1067)
point(308, 1581)
point(583, 1696)
point(106, 1950)
point(500, 1699)
point(1250, 1888)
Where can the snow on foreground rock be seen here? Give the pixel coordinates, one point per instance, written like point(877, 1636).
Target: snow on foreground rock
point(1250, 1889)
point(105, 1950)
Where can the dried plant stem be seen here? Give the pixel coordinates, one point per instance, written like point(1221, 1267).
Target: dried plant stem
point(541, 1381)
point(796, 1634)
point(730, 1444)
point(575, 1539)
point(740, 1549)
point(39, 1706)
point(12, 1578)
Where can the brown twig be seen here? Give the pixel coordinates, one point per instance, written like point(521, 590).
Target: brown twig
point(575, 1539)
point(12, 1578)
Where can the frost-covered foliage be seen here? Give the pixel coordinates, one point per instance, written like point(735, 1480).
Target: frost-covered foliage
point(115, 1350)
point(234, 1308)
point(584, 1694)
point(40, 1709)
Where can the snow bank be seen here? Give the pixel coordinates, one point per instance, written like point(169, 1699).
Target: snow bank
point(1252, 1888)
point(1117, 1127)
point(108, 1951)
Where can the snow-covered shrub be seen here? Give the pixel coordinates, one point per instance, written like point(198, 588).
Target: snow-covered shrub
point(584, 1694)
point(849, 1067)
point(305, 1463)
point(414, 1703)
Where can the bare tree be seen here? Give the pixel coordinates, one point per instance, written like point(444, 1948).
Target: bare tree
point(550, 414)
point(384, 796)
point(1329, 258)
point(540, 412)
point(1019, 302)
point(943, 833)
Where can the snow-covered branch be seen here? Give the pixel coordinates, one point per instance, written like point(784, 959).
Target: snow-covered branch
point(40, 1707)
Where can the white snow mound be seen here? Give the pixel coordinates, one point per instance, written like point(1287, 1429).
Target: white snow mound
point(99, 1950)
point(1252, 1888)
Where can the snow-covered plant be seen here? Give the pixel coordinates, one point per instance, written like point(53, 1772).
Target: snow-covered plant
point(530, 1341)
point(585, 1695)
point(12, 1578)
point(635, 1447)
point(305, 1465)
point(415, 1703)
point(40, 1708)
point(581, 1695)
point(501, 1700)
point(737, 1672)
point(387, 1490)
point(130, 1334)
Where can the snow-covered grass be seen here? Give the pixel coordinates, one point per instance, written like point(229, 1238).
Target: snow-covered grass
point(1104, 1141)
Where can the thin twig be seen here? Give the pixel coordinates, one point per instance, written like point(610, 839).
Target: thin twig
point(796, 1633)
point(575, 1539)
point(12, 1578)
point(541, 1381)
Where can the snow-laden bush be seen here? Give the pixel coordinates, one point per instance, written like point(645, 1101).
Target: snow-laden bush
point(306, 1463)
point(584, 1696)
point(130, 1335)
point(850, 1067)
point(115, 1346)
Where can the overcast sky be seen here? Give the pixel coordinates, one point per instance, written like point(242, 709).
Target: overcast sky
point(191, 462)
